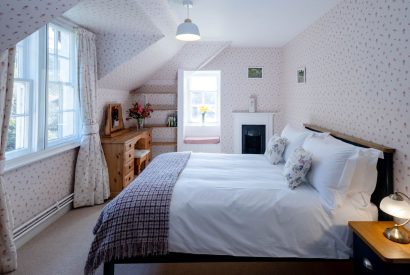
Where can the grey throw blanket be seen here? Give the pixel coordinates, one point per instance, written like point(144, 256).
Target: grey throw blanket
point(136, 222)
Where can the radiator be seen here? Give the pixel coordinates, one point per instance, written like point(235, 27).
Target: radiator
point(41, 217)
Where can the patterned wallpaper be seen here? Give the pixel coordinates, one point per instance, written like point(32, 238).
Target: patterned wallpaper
point(137, 32)
point(358, 81)
point(191, 56)
point(37, 186)
point(18, 19)
point(128, 32)
point(236, 87)
point(106, 96)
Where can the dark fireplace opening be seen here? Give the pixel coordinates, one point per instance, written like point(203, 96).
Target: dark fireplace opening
point(253, 139)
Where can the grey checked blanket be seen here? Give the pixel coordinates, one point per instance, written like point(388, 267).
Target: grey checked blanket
point(136, 222)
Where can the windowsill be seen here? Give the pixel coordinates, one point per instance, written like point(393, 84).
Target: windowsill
point(18, 162)
point(202, 125)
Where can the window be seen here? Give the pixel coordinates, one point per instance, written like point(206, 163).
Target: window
point(204, 90)
point(45, 96)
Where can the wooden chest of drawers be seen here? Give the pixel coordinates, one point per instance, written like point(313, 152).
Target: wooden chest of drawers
point(119, 154)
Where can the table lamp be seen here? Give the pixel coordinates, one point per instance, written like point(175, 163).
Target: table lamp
point(396, 206)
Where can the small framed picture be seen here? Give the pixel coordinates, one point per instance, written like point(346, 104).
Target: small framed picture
point(301, 75)
point(255, 72)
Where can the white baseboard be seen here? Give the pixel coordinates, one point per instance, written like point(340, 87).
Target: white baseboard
point(43, 225)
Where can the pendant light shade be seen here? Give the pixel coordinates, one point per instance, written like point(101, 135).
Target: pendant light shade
point(188, 31)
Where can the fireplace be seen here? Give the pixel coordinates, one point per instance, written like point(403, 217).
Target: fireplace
point(242, 120)
point(253, 139)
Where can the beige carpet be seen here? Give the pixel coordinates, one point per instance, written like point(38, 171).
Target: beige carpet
point(62, 249)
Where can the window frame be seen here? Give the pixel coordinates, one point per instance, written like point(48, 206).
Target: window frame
point(39, 146)
point(213, 73)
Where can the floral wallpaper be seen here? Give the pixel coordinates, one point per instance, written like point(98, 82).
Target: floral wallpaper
point(191, 56)
point(237, 87)
point(137, 32)
point(18, 19)
point(128, 32)
point(106, 96)
point(357, 76)
point(37, 186)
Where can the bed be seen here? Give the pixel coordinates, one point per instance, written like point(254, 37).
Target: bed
point(221, 211)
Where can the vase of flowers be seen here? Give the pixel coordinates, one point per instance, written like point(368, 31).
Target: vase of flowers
point(203, 110)
point(139, 113)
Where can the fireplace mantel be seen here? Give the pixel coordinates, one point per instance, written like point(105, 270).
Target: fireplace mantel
point(246, 118)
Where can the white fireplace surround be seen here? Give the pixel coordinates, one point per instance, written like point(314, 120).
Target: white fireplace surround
point(246, 118)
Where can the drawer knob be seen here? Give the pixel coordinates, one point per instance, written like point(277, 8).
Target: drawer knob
point(367, 264)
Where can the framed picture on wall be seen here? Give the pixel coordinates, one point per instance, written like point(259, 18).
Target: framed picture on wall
point(255, 72)
point(301, 75)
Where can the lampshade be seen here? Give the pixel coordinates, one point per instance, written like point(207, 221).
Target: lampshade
point(396, 206)
point(188, 31)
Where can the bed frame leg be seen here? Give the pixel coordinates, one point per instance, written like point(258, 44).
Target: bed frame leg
point(108, 268)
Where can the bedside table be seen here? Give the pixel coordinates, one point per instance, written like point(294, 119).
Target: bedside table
point(374, 254)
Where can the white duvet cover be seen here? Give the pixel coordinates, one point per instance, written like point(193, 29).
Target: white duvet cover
point(240, 205)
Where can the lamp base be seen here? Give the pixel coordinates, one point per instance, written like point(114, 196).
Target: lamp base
point(396, 234)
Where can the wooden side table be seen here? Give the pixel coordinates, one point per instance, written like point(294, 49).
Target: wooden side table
point(375, 254)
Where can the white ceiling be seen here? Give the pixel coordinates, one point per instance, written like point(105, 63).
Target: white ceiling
point(261, 23)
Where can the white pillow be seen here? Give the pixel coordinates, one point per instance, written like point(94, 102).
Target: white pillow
point(363, 165)
point(297, 167)
point(329, 157)
point(294, 139)
point(275, 148)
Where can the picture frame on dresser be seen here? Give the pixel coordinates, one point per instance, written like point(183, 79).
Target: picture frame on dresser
point(114, 121)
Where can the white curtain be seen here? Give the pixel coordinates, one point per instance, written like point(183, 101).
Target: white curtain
point(8, 254)
point(91, 174)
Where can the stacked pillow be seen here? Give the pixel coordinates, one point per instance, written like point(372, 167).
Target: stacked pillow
point(334, 168)
point(329, 161)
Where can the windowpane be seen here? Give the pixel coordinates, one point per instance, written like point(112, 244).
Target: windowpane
point(51, 40)
point(64, 69)
point(26, 79)
point(53, 97)
point(17, 136)
point(52, 68)
point(68, 124)
point(210, 98)
point(64, 43)
point(52, 126)
point(195, 114)
point(203, 83)
point(61, 93)
point(68, 97)
point(196, 98)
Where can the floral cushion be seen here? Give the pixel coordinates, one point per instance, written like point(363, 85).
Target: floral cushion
point(275, 148)
point(297, 167)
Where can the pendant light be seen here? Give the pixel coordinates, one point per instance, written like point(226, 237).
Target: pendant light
point(188, 31)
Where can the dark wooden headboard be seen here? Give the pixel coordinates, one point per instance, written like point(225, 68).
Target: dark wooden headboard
point(384, 186)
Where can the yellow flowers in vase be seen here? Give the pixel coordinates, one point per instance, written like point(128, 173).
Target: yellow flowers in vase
point(203, 110)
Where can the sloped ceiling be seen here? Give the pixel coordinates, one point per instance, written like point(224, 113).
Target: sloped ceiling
point(192, 56)
point(123, 30)
point(134, 38)
point(20, 18)
point(262, 23)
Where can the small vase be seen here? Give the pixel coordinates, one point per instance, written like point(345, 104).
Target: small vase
point(203, 118)
point(140, 123)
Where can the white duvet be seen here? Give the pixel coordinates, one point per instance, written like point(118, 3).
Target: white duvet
point(240, 205)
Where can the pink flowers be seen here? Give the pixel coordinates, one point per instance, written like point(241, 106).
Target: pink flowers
point(138, 111)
